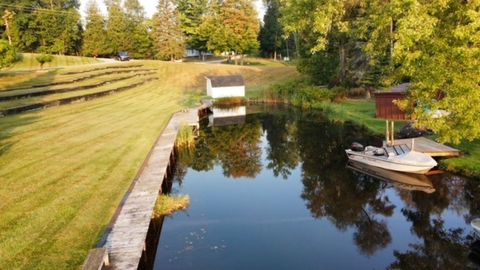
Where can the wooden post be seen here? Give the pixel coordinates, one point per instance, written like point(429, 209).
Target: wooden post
point(387, 135)
point(392, 133)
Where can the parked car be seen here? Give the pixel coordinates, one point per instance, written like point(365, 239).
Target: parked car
point(122, 56)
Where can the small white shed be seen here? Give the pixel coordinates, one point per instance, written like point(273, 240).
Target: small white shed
point(225, 86)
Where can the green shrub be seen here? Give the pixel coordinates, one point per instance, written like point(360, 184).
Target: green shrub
point(7, 54)
point(302, 93)
point(44, 58)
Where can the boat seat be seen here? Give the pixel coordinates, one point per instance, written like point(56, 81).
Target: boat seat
point(397, 150)
point(405, 148)
point(390, 151)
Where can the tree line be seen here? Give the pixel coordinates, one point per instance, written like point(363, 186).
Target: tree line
point(55, 27)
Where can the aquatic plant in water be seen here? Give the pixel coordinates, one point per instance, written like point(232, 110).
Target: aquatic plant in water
point(185, 137)
point(169, 204)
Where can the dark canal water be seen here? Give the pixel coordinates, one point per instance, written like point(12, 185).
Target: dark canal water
point(274, 192)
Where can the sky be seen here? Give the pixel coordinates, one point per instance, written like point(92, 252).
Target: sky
point(150, 6)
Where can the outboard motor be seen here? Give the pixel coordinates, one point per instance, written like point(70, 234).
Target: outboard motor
point(357, 147)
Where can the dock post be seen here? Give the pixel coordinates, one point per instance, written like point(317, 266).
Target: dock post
point(387, 135)
point(392, 133)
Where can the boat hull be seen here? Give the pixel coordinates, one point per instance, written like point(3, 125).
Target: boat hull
point(387, 164)
point(476, 226)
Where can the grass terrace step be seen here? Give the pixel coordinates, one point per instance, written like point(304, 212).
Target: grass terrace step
point(68, 99)
point(74, 79)
point(116, 66)
point(27, 93)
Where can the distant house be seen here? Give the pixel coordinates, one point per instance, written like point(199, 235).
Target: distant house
point(225, 86)
point(196, 53)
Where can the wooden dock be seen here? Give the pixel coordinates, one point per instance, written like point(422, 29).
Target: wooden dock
point(429, 147)
point(126, 240)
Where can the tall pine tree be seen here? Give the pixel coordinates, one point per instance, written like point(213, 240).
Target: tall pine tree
point(168, 37)
point(271, 32)
point(58, 26)
point(138, 42)
point(94, 36)
point(117, 40)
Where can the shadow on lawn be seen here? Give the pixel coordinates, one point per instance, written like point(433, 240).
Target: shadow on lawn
point(9, 125)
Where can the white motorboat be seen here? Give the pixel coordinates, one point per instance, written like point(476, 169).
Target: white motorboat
point(406, 181)
point(396, 158)
point(476, 226)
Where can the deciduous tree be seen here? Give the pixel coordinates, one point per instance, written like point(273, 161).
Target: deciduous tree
point(191, 14)
point(436, 46)
point(232, 25)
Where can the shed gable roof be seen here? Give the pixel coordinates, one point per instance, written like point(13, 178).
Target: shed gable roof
point(226, 81)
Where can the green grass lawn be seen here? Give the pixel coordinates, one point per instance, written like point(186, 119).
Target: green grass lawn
point(259, 62)
point(469, 164)
point(64, 170)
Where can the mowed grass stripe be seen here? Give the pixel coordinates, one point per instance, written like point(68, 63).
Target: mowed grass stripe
point(74, 141)
point(66, 187)
point(63, 201)
point(59, 125)
point(73, 134)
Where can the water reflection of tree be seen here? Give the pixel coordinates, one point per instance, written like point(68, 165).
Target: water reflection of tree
point(185, 158)
point(440, 247)
point(348, 201)
point(282, 151)
point(236, 148)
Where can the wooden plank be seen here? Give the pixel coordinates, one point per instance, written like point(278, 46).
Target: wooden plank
point(126, 240)
point(96, 260)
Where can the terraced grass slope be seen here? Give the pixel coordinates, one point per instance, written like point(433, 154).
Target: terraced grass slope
point(71, 86)
point(65, 169)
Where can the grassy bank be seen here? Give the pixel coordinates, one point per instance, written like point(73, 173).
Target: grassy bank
point(64, 170)
point(362, 112)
